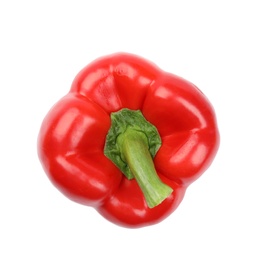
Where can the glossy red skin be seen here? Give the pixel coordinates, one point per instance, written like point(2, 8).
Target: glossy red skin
point(72, 137)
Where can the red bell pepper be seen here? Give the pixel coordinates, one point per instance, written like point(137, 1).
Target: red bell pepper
point(128, 139)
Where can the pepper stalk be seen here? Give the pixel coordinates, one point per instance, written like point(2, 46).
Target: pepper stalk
point(131, 144)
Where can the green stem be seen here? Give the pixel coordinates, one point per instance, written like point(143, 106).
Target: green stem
point(135, 152)
point(131, 144)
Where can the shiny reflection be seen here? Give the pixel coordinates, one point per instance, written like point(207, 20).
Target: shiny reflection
point(127, 207)
point(163, 92)
point(199, 155)
point(92, 78)
point(193, 110)
point(143, 81)
point(184, 152)
point(81, 124)
point(65, 123)
point(72, 125)
point(124, 69)
point(192, 149)
point(80, 172)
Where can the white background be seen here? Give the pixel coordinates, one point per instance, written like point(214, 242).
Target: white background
point(214, 44)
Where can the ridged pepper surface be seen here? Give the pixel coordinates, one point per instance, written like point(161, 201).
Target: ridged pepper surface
point(128, 139)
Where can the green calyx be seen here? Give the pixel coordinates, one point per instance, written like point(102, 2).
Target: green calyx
point(129, 119)
point(131, 144)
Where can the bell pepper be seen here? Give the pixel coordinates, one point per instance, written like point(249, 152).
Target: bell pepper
point(128, 139)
